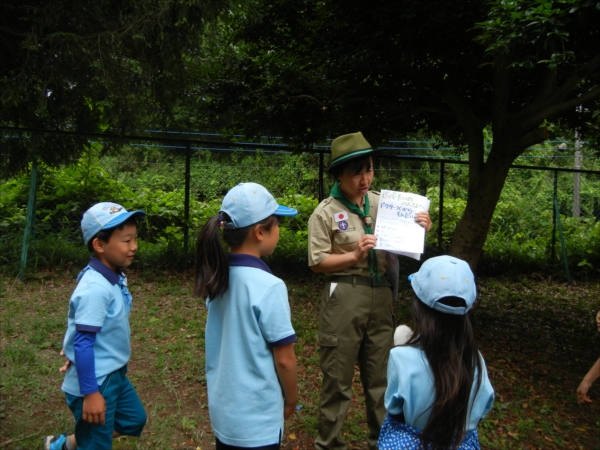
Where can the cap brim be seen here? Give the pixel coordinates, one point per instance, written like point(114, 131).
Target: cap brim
point(285, 211)
point(121, 219)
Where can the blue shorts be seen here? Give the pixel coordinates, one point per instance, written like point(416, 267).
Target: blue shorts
point(125, 413)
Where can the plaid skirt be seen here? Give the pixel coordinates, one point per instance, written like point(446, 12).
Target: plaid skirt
point(397, 435)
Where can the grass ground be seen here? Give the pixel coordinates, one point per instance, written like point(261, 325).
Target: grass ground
point(538, 338)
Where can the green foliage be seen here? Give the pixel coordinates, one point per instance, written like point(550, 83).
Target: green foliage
point(516, 67)
point(74, 66)
point(522, 28)
point(290, 255)
point(152, 179)
point(13, 195)
point(520, 236)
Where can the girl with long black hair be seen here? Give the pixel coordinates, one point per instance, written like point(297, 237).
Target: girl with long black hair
point(438, 386)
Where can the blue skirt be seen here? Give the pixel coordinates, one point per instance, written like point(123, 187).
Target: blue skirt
point(397, 435)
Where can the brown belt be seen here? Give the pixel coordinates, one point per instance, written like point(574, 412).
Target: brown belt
point(361, 281)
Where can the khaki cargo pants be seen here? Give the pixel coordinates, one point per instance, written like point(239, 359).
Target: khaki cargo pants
point(355, 325)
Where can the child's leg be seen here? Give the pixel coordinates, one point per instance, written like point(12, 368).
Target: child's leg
point(87, 435)
point(99, 437)
point(130, 416)
point(60, 442)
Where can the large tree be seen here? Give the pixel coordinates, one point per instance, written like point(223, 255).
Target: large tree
point(86, 66)
point(312, 69)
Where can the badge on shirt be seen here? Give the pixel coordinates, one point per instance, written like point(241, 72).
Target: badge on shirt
point(343, 225)
point(341, 216)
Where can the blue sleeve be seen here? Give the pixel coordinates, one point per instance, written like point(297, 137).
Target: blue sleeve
point(393, 399)
point(85, 362)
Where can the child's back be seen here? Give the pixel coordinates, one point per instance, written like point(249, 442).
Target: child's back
point(414, 384)
point(241, 329)
point(250, 361)
point(438, 387)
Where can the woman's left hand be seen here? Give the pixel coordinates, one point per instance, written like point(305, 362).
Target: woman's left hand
point(424, 220)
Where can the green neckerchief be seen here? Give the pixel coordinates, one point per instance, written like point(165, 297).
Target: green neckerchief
point(337, 193)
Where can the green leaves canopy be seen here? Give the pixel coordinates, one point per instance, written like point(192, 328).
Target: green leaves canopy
point(314, 69)
point(311, 69)
point(88, 66)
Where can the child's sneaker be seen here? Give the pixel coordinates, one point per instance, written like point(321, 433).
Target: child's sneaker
point(56, 442)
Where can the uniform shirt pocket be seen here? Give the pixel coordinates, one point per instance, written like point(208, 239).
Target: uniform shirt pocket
point(346, 241)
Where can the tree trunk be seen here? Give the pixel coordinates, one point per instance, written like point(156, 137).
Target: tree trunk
point(484, 192)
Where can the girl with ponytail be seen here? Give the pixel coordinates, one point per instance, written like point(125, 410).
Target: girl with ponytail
point(249, 339)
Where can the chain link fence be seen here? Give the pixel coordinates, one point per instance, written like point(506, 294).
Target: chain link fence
point(179, 180)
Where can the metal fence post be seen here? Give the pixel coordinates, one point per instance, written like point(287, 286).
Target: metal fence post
point(27, 233)
point(321, 188)
point(441, 213)
point(554, 211)
point(186, 201)
point(562, 240)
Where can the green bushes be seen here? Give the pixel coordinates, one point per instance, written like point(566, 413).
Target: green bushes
point(519, 239)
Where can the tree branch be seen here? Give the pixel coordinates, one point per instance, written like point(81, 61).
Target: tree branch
point(442, 110)
point(546, 85)
point(552, 110)
point(500, 95)
point(533, 137)
point(527, 113)
point(311, 98)
point(439, 109)
point(576, 78)
point(473, 130)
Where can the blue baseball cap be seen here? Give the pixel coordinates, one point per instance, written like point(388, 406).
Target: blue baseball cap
point(445, 276)
point(249, 203)
point(104, 216)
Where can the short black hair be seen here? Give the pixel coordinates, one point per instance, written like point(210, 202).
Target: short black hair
point(354, 165)
point(104, 235)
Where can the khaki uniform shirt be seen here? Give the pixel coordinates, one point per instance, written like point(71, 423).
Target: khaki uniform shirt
point(328, 234)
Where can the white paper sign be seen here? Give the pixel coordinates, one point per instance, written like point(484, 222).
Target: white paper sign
point(396, 229)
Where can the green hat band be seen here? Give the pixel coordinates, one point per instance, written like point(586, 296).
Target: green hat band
point(353, 154)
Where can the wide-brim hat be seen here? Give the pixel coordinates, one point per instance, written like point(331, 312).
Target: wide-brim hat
point(445, 276)
point(347, 147)
point(104, 216)
point(249, 203)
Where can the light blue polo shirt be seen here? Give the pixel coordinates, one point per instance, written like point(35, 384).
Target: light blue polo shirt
point(245, 399)
point(98, 305)
point(411, 389)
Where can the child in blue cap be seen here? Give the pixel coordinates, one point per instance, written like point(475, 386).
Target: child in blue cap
point(97, 341)
point(250, 360)
point(438, 387)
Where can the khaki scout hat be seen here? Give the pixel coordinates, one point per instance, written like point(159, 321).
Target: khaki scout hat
point(347, 147)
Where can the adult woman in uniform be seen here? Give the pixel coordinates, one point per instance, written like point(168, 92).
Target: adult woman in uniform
point(355, 324)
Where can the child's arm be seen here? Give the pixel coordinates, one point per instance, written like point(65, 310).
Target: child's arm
point(94, 405)
point(67, 364)
point(586, 383)
point(285, 364)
